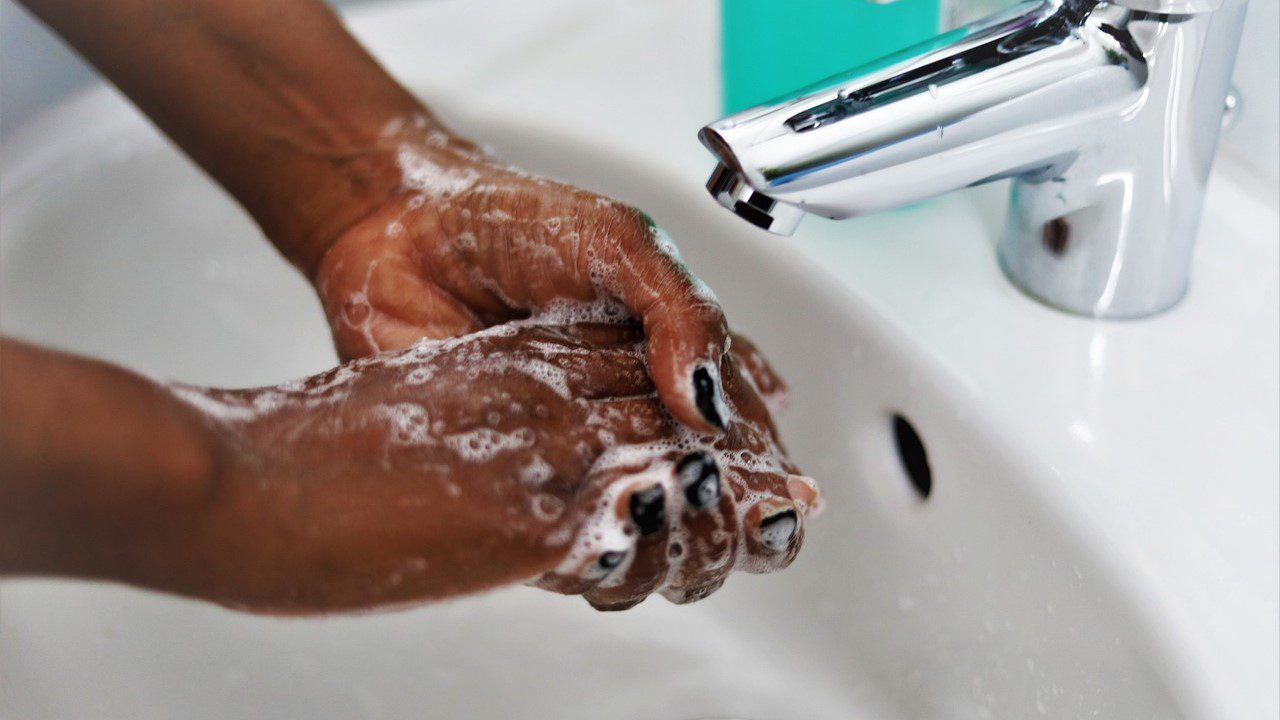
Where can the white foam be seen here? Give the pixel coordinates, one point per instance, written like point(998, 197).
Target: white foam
point(409, 423)
point(483, 444)
point(419, 375)
point(536, 472)
point(572, 312)
point(547, 508)
point(420, 173)
point(541, 371)
point(219, 408)
point(602, 532)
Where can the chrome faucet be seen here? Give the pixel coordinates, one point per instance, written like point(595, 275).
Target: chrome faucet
point(1105, 115)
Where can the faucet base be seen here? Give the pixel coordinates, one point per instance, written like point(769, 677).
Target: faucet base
point(1104, 114)
point(1110, 231)
point(1107, 248)
point(1029, 272)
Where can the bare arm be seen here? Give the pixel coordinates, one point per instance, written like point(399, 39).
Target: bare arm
point(406, 477)
point(406, 230)
point(99, 469)
point(274, 99)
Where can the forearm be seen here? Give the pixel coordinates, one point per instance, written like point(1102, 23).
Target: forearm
point(274, 99)
point(101, 471)
point(279, 506)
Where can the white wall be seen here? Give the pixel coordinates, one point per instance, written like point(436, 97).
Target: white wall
point(1257, 136)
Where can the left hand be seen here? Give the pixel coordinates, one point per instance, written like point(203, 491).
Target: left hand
point(467, 243)
point(528, 453)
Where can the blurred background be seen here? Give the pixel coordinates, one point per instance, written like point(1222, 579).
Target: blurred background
point(37, 71)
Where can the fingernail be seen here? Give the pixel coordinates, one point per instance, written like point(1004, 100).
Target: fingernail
point(777, 529)
point(648, 509)
point(700, 477)
point(611, 559)
point(707, 396)
point(684, 596)
point(615, 607)
point(703, 592)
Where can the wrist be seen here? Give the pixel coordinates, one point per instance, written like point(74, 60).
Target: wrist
point(333, 189)
point(228, 543)
point(362, 179)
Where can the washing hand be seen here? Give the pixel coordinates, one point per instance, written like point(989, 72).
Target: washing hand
point(609, 461)
point(520, 454)
point(466, 242)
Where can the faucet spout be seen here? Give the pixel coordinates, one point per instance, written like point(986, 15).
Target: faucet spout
point(990, 100)
point(1104, 115)
point(731, 191)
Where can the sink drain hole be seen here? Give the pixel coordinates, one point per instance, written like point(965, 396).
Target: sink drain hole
point(911, 452)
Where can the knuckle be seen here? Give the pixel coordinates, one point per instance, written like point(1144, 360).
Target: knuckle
point(710, 315)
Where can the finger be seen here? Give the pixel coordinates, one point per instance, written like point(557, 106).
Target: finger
point(683, 322)
point(621, 501)
point(591, 335)
point(650, 511)
point(596, 361)
point(772, 523)
point(629, 421)
point(704, 542)
point(753, 428)
point(806, 494)
point(759, 373)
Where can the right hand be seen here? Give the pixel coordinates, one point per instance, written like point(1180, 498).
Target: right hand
point(467, 242)
point(523, 454)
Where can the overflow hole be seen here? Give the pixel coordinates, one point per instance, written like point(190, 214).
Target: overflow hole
point(911, 452)
point(1055, 235)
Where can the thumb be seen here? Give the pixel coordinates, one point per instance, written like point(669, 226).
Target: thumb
point(684, 325)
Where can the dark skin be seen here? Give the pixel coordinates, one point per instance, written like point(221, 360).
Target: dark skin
point(286, 111)
point(380, 482)
point(395, 478)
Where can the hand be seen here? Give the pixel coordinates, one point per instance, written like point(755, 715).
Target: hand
point(468, 243)
point(524, 453)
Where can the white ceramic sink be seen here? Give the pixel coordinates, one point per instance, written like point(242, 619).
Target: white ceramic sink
point(1087, 550)
point(977, 602)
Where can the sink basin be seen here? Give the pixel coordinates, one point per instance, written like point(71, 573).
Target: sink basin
point(983, 599)
point(1098, 533)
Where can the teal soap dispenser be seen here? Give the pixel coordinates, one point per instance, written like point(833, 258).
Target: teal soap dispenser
point(772, 47)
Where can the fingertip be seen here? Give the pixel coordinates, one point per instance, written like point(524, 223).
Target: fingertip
point(613, 606)
point(684, 596)
point(610, 560)
point(688, 341)
point(774, 530)
point(806, 494)
point(694, 393)
point(699, 477)
point(777, 530)
point(647, 509)
point(678, 390)
point(708, 395)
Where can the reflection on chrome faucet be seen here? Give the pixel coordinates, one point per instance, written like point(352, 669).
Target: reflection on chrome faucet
point(1104, 115)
